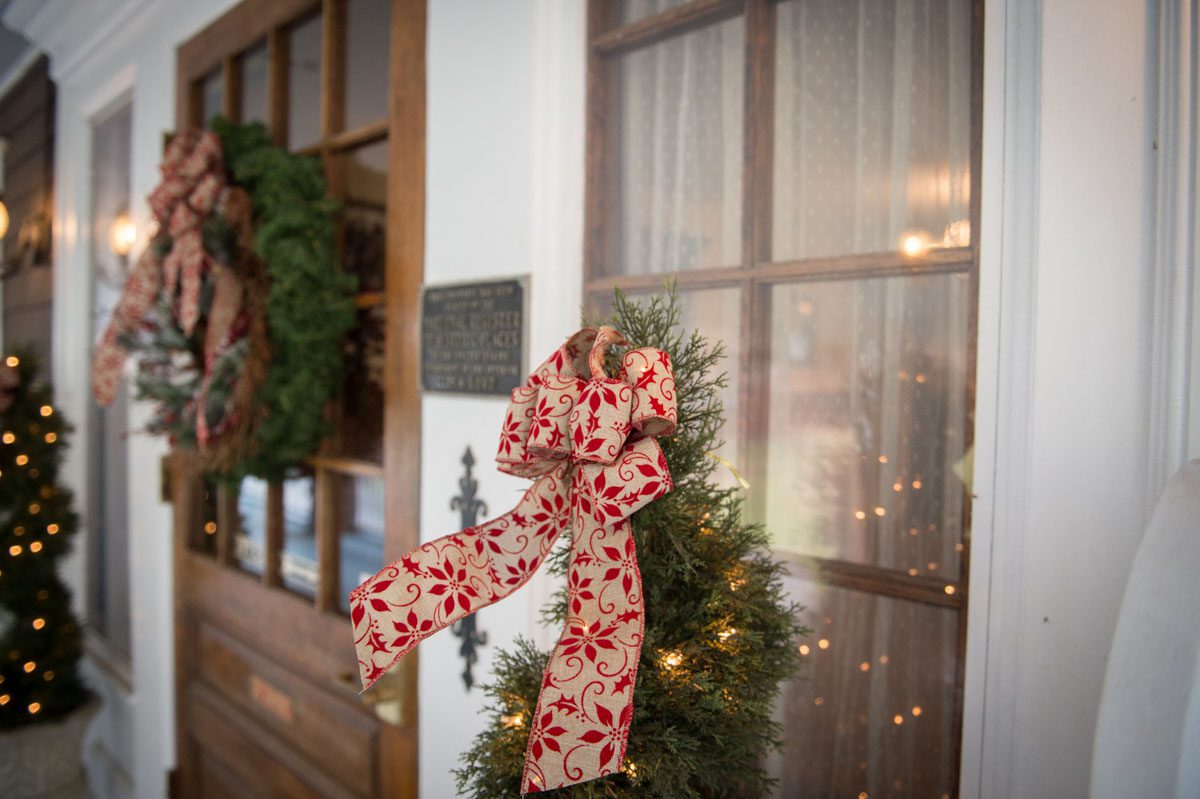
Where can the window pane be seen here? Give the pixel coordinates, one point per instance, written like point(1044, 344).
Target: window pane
point(633, 10)
point(360, 433)
point(254, 84)
point(360, 522)
point(304, 84)
point(872, 710)
point(872, 126)
point(299, 557)
point(679, 161)
point(212, 93)
point(107, 521)
point(368, 32)
point(364, 177)
point(250, 540)
point(868, 411)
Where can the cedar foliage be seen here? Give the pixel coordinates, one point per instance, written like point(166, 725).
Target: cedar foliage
point(37, 522)
point(700, 728)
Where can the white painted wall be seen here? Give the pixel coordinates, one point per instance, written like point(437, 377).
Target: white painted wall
point(504, 197)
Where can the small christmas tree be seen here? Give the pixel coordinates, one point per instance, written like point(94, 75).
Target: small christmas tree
point(720, 635)
point(39, 636)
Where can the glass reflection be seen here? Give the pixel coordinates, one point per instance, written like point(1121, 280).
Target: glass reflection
point(298, 566)
point(872, 709)
point(254, 84)
point(250, 538)
point(304, 84)
point(872, 126)
point(368, 32)
point(360, 435)
point(212, 96)
point(679, 161)
point(868, 416)
point(360, 524)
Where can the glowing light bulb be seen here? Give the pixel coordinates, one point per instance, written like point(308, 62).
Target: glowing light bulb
point(22, 460)
point(48, 676)
point(672, 660)
point(514, 721)
point(916, 711)
point(914, 244)
point(883, 660)
point(52, 529)
point(39, 624)
point(35, 547)
point(860, 515)
point(45, 410)
point(949, 590)
point(15, 550)
point(29, 666)
point(880, 512)
point(34, 508)
point(897, 486)
point(727, 633)
point(804, 650)
point(51, 438)
point(820, 700)
point(122, 233)
point(4, 699)
point(9, 438)
point(34, 707)
point(210, 528)
point(898, 719)
point(12, 361)
point(916, 484)
point(864, 666)
point(823, 643)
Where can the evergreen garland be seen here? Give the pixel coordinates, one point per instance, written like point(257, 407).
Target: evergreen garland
point(720, 634)
point(310, 304)
point(39, 635)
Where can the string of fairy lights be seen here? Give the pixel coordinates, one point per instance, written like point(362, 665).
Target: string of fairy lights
point(31, 545)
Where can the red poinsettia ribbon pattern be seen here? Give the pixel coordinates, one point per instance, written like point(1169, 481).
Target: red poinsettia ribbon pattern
point(589, 442)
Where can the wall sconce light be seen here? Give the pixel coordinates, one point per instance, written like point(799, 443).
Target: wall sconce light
point(3, 219)
point(122, 233)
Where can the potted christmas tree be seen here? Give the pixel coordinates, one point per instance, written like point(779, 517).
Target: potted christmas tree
point(720, 633)
point(44, 706)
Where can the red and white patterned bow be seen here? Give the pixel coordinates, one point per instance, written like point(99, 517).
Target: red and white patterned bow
point(589, 441)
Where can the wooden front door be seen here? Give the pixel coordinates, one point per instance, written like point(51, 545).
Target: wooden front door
point(267, 686)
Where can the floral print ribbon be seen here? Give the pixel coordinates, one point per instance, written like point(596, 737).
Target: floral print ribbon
point(589, 442)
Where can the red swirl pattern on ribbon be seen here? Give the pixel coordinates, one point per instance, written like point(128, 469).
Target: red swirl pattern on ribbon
point(588, 440)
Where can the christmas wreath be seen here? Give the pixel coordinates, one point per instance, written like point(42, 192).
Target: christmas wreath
point(236, 309)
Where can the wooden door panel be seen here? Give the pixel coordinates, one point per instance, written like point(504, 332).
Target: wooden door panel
point(261, 764)
point(282, 625)
point(339, 739)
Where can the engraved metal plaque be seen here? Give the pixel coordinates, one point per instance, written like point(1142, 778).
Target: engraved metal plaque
point(473, 337)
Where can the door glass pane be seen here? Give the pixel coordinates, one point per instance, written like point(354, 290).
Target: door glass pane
point(872, 126)
point(212, 94)
point(678, 165)
point(254, 84)
point(872, 710)
point(108, 610)
point(304, 84)
point(368, 32)
point(360, 524)
point(364, 180)
point(299, 557)
point(868, 414)
point(360, 434)
point(250, 539)
point(633, 10)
